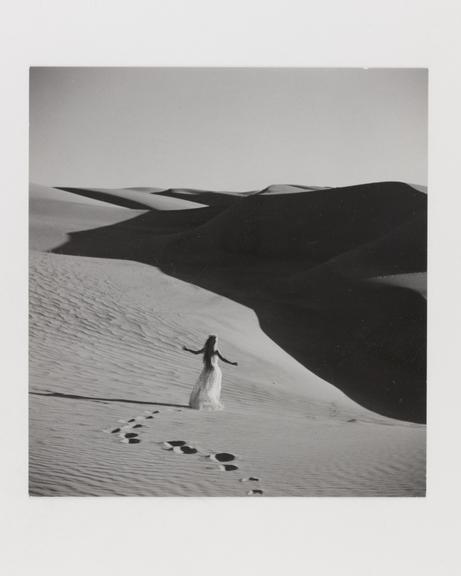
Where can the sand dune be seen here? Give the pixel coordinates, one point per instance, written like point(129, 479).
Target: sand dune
point(298, 261)
point(211, 198)
point(416, 281)
point(112, 306)
point(106, 345)
point(39, 193)
point(148, 189)
point(135, 198)
point(403, 249)
point(355, 329)
point(54, 214)
point(289, 189)
point(314, 226)
point(420, 188)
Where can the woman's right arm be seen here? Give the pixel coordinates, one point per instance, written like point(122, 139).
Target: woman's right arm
point(193, 351)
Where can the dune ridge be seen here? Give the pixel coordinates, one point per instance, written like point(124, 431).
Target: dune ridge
point(134, 198)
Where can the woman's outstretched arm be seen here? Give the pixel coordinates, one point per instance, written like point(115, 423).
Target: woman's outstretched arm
point(225, 360)
point(193, 351)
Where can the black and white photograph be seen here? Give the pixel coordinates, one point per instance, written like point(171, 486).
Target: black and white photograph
point(230, 287)
point(227, 281)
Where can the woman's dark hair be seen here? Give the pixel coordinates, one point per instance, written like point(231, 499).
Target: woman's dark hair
point(209, 350)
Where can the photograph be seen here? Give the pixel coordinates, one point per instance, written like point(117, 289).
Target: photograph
point(227, 281)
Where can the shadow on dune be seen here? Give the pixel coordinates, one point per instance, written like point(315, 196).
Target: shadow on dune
point(218, 200)
point(105, 197)
point(301, 262)
point(213, 199)
point(138, 238)
point(95, 399)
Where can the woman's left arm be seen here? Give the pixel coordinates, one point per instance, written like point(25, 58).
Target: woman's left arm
point(225, 360)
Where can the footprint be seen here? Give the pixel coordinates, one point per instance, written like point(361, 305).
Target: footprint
point(222, 457)
point(132, 420)
point(250, 479)
point(149, 417)
point(254, 492)
point(185, 450)
point(228, 467)
point(131, 435)
point(131, 441)
point(115, 430)
point(172, 443)
point(138, 426)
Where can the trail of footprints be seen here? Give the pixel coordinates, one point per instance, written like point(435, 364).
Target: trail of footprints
point(224, 460)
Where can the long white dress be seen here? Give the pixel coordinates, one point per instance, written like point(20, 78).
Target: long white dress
point(207, 390)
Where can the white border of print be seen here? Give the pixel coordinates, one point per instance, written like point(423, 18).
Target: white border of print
point(228, 536)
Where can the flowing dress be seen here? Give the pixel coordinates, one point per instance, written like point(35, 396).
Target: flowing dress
point(207, 390)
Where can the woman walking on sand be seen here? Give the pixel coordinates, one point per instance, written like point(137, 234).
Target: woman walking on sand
point(207, 390)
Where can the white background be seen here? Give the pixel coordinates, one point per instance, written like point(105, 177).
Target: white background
point(228, 536)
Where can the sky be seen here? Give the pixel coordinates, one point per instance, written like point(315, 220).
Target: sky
point(227, 129)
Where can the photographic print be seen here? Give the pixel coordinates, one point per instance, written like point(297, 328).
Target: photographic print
point(227, 282)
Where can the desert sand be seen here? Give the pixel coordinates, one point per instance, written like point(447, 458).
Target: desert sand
point(305, 289)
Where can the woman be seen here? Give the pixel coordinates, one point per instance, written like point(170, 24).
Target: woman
point(207, 389)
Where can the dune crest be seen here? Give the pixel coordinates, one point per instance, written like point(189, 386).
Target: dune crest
point(134, 198)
